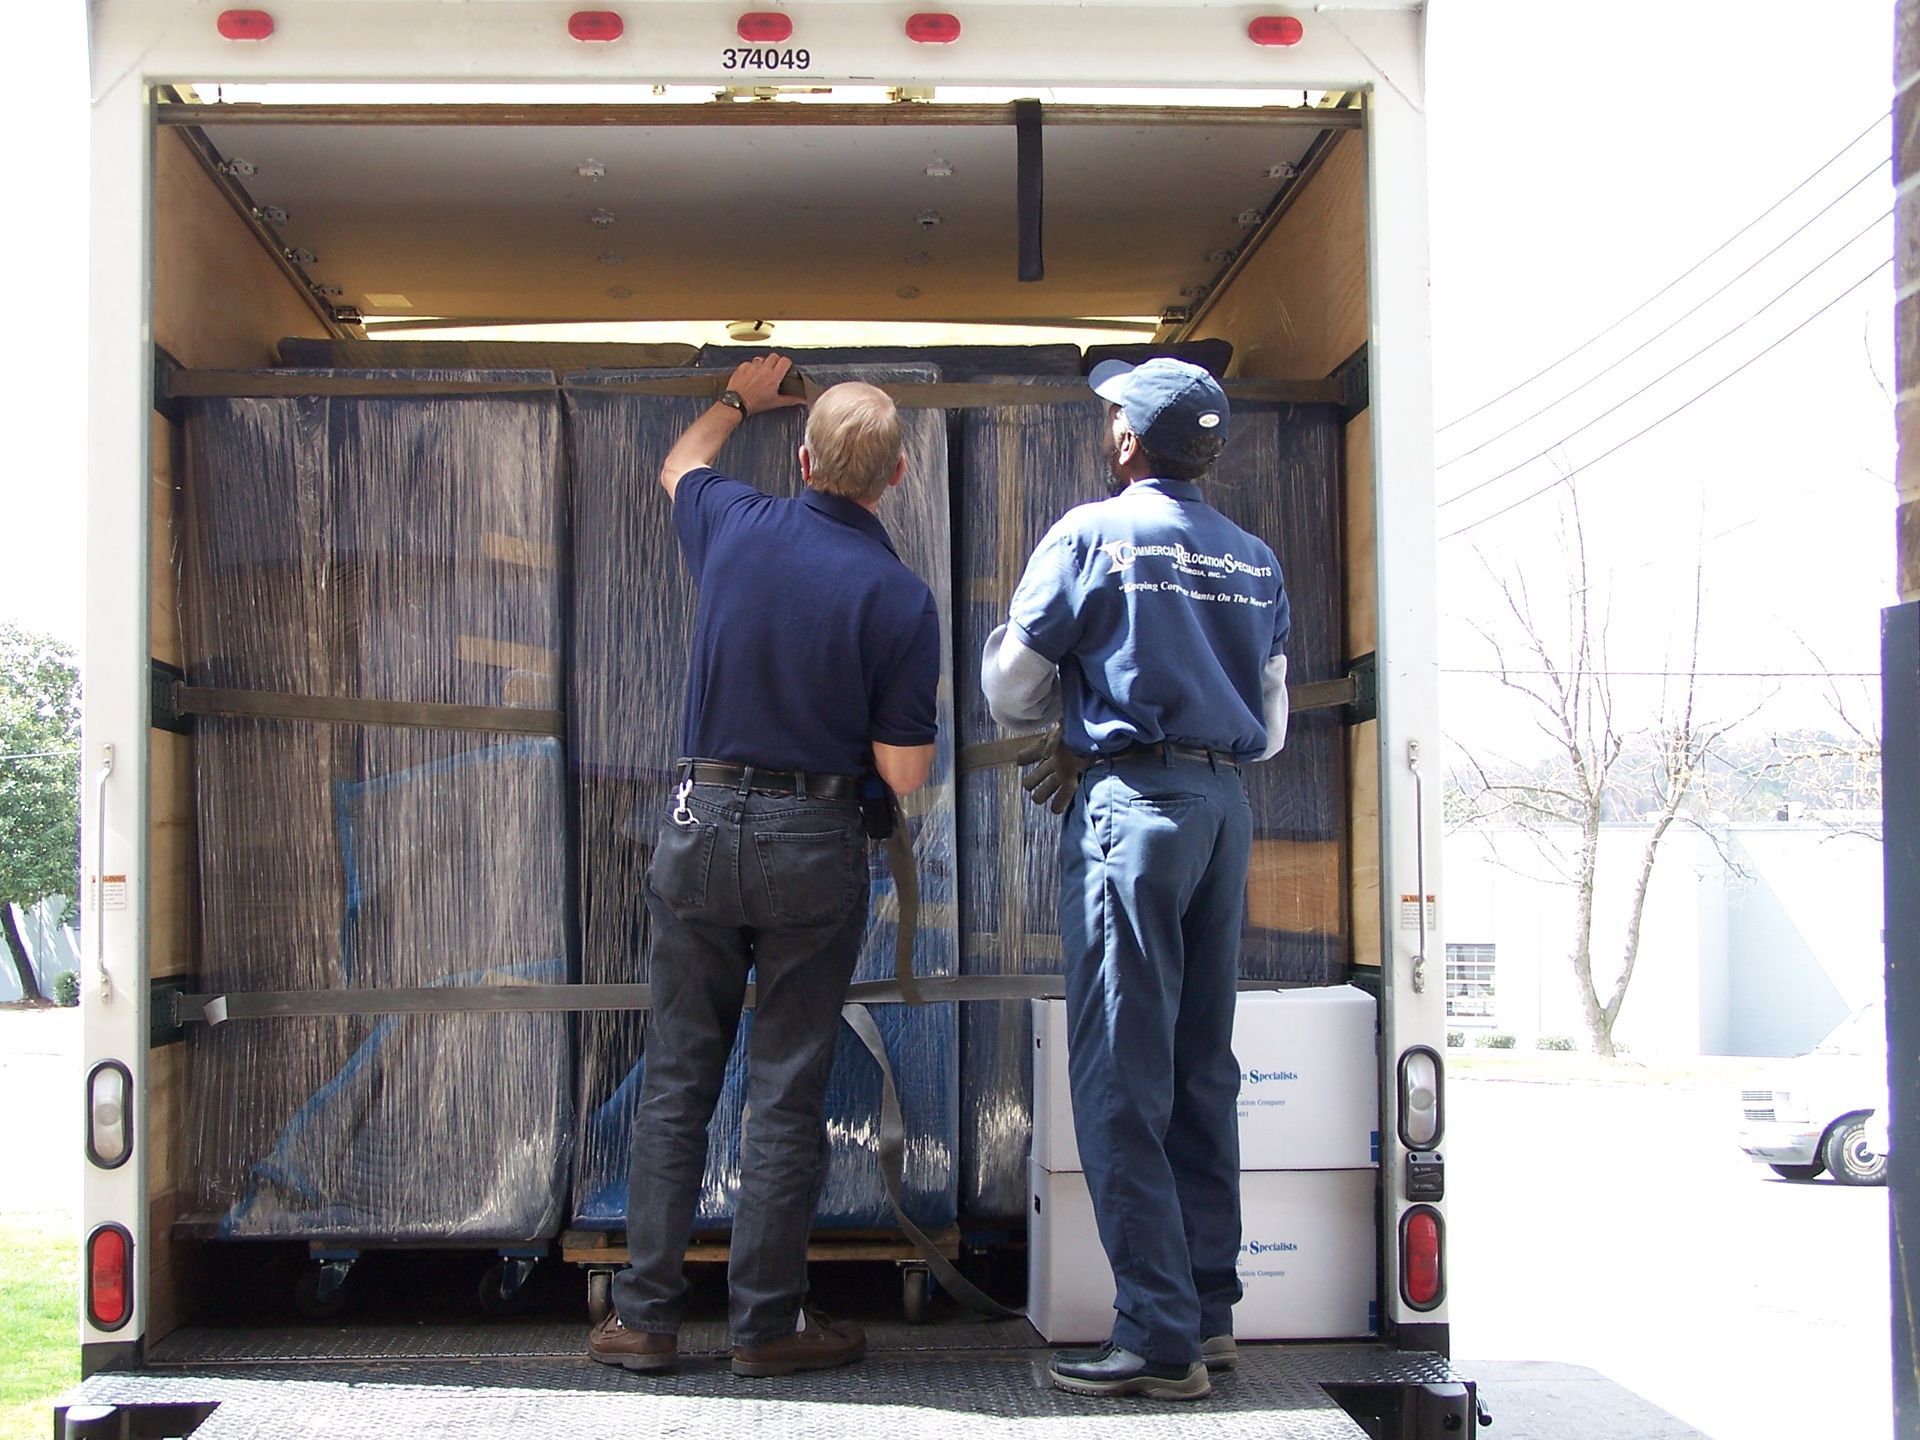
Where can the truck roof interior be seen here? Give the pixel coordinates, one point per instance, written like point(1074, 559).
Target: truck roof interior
point(430, 217)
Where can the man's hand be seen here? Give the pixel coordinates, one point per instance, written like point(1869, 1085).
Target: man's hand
point(757, 383)
point(1055, 774)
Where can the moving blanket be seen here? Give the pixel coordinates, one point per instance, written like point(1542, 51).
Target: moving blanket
point(633, 624)
point(1022, 468)
point(403, 549)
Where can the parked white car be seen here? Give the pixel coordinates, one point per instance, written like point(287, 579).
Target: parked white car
point(1826, 1109)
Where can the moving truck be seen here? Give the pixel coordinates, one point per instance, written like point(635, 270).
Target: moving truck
point(279, 184)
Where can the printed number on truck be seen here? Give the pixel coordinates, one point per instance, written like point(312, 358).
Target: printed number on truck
point(748, 59)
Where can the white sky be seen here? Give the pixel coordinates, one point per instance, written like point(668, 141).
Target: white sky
point(1580, 160)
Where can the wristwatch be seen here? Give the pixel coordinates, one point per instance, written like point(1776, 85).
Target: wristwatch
point(733, 398)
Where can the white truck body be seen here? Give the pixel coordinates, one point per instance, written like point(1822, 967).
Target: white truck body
point(501, 52)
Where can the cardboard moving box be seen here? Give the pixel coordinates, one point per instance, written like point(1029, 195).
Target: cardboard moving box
point(1307, 1263)
point(1309, 1081)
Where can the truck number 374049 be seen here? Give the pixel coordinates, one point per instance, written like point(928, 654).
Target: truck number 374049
point(756, 59)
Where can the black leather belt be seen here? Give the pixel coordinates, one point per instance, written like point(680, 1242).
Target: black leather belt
point(771, 782)
point(1168, 750)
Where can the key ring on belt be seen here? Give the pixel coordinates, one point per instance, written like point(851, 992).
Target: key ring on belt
point(681, 814)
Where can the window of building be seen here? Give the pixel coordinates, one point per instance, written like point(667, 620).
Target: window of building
point(1470, 982)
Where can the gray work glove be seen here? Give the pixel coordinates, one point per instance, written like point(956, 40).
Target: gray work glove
point(1055, 774)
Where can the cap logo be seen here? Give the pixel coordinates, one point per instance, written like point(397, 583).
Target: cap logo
point(1210, 419)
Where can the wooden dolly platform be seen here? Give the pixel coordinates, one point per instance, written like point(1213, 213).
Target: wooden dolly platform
point(602, 1252)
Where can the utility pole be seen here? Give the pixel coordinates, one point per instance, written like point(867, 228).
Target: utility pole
point(1900, 758)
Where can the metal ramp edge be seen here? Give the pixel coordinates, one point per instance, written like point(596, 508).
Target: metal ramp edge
point(989, 1390)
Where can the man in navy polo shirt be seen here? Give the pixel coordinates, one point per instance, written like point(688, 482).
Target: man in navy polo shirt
point(815, 660)
point(1153, 630)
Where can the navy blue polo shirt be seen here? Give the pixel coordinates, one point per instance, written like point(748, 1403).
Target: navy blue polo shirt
point(812, 639)
point(1161, 614)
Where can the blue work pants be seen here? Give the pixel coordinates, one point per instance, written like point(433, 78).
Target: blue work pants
point(1153, 874)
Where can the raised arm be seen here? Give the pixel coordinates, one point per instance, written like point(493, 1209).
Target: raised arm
point(757, 383)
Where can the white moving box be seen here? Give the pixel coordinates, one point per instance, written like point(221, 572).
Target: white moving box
point(1307, 1260)
point(1309, 1081)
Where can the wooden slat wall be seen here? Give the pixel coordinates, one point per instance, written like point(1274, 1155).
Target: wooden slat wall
point(1297, 310)
point(220, 301)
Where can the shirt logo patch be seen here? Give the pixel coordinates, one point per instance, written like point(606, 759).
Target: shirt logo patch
point(1122, 554)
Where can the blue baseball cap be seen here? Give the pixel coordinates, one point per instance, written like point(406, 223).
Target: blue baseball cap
point(1178, 410)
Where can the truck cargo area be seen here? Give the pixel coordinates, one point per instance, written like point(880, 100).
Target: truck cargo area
point(294, 233)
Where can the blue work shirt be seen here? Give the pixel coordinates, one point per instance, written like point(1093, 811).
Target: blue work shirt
point(1161, 614)
point(812, 639)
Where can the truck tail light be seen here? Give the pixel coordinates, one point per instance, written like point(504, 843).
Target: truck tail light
point(109, 1277)
point(765, 27)
point(109, 1114)
point(1275, 30)
point(1422, 1098)
point(245, 24)
point(933, 28)
point(595, 25)
point(1423, 1274)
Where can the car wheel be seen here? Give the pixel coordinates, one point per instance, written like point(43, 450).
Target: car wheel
point(1851, 1156)
point(1799, 1172)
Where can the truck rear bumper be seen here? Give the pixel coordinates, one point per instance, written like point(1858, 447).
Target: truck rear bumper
point(533, 1380)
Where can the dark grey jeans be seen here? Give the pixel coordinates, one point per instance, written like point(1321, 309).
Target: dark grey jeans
point(778, 886)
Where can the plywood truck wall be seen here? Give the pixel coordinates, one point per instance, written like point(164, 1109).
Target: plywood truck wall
point(220, 301)
point(1297, 310)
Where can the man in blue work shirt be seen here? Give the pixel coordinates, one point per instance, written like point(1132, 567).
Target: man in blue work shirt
point(816, 655)
point(1153, 630)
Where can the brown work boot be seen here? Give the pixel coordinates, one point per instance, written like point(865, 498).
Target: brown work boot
point(612, 1343)
point(819, 1344)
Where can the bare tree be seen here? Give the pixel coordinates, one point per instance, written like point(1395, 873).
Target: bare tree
point(1559, 667)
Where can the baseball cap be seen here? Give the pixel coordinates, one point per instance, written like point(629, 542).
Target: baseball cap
point(1178, 410)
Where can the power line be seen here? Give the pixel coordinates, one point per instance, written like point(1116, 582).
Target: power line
point(1672, 325)
point(1683, 674)
point(1588, 465)
point(1673, 369)
point(38, 754)
point(1580, 348)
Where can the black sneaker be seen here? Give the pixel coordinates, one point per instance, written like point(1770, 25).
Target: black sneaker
point(1113, 1371)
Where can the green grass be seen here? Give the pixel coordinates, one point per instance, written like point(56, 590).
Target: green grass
point(39, 1328)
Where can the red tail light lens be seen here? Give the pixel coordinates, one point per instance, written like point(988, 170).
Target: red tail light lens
point(1276, 30)
point(765, 27)
point(595, 25)
point(245, 24)
point(1422, 1271)
point(109, 1277)
point(929, 28)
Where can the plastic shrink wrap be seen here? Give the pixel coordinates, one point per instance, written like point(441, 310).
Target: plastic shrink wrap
point(633, 623)
point(398, 549)
point(1022, 467)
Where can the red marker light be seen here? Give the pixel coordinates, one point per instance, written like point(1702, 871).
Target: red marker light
point(245, 24)
point(1276, 30)
point(109, 1277)
point(596, 25)
point(1420, 1267)
point(765, 27)
point(932, 28)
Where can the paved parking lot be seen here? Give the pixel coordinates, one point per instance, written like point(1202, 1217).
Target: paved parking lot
point(1616, 1226)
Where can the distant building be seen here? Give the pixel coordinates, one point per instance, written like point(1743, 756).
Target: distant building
point(1756, 940)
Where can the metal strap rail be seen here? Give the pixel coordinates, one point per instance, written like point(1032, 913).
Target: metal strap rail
point(217, 1008)
point(935, 395)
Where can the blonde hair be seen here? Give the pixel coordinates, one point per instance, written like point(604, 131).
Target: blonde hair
point(853, 440)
